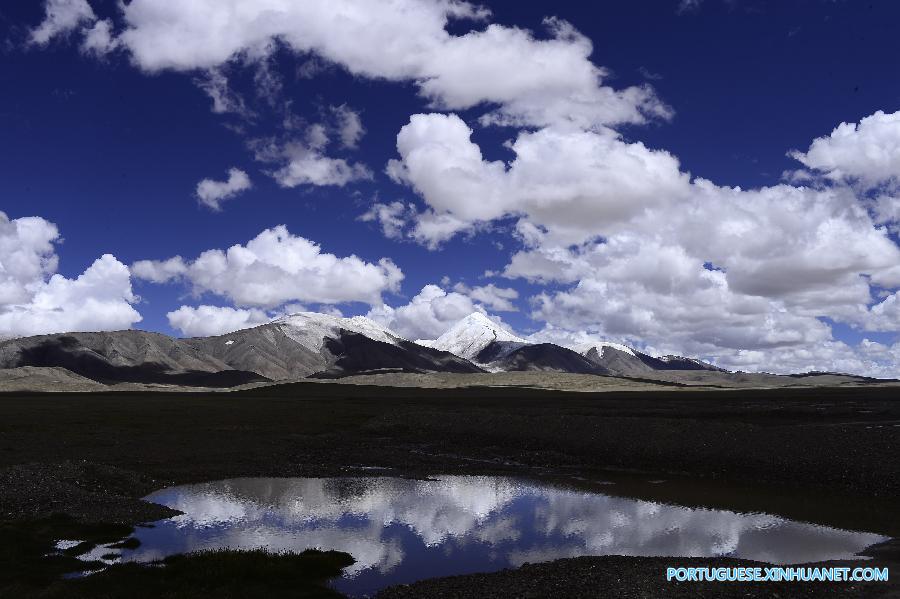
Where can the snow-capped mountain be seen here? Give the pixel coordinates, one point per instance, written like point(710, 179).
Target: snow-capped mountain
point(308, 344)
point(682, 363)
point(602, 346)
point(295, 346)
point(479, 339)
point(310, 329)
point(471, 335)
point(312, 344)
point(621, 360)
point(482, 341)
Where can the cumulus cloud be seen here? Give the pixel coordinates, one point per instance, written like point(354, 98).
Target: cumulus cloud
point(205, 321)
point(27, 256)
point(523, 78)
point(664, 296)
point(868, 151)
point(729, 272)
point(428, 315)
point(629, 245)
point(159, 271)
point(212, 193)
point(277, 267)
point(62, 17)
point(35, 300)
point(578, 183)
point(688, 266)
point(98, 299)
point(881, 316)
point(493, 297)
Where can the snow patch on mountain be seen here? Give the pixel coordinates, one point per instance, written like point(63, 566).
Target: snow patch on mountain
point(671, 358)
point(470, 335)
point(602, 346)
point(310, 329)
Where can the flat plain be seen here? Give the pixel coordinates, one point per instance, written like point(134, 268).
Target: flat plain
point(816, 454)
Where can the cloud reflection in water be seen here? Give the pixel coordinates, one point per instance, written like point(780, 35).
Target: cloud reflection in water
point(402, 530)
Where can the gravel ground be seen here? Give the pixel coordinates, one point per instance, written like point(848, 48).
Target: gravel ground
point(90, 492)
point(93, 456)
point(621, 577)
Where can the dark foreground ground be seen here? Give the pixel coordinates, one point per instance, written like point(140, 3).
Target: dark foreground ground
point(824, 455)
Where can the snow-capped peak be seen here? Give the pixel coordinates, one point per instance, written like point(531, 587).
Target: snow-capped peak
point(310, 329)
point(471, 335)
point(669, 359)
point(601, 346)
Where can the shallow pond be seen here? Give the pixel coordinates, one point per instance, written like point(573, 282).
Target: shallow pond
point(402, 530)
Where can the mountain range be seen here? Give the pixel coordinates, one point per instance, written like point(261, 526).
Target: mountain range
point(312, 345)
point(481, 341)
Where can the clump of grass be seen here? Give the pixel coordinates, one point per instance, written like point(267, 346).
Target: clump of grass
point(28, 557)
point(129, 543)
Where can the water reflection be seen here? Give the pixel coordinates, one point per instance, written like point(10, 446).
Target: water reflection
point(403, 530)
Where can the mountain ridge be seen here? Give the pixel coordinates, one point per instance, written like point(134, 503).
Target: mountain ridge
point(314, 345)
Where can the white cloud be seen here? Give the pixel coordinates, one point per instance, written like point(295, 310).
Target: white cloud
point(569, 187)
point(212, 193)
point(160, 271)
point(663, 299)
point(27, 257)
point(692, 267)
point(662, 295)
point(635, 249)
point(205, 321)
point(525, 79)
point(886, 209)
point(392, 218)
point(99, 40)
point(60, 18)
point(882, 316)
point(350, 125)
point(493, 297)
point(755, 271)
point(99, 299)
point(303, 163)
point(868, 151)
point(576, 340)
point(428, 315)
point(225, 101)
point(317, 137)
point(35, 301)
point(276, 267)
point(577, 183)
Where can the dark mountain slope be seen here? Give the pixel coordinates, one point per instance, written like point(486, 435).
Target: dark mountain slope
point(546, 356)
point(124, 356)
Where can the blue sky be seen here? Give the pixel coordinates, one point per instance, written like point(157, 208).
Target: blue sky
point(633, 125)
